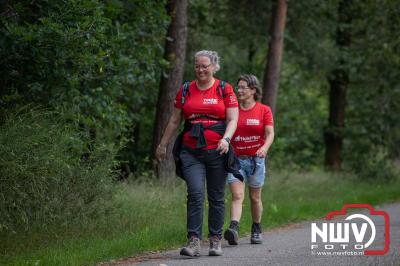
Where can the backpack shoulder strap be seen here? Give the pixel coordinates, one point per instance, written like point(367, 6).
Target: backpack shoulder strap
point(221, 87)
point(185, 91)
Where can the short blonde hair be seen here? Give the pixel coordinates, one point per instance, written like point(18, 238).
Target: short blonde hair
point(212, 55)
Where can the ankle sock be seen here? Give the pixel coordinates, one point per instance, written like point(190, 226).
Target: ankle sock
point(234, 225)
point(256, 227)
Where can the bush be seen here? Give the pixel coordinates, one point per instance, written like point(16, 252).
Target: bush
point(99, 62)
point(370, 163)
point(50, 174)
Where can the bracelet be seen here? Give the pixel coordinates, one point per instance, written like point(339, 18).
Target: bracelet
point(228, 139)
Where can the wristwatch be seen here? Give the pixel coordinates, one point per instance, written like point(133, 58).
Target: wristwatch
point(228, 139)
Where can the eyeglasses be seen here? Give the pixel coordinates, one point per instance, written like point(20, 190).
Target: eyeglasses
point(203, 67)
point(242, 88)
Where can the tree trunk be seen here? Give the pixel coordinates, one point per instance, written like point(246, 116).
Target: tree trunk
point(274, 57)
point(338, 81)
point(171, 80)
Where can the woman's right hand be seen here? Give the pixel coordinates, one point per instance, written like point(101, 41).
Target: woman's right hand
point(161, 152)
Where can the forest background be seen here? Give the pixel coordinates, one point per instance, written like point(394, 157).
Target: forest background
point(80, 88)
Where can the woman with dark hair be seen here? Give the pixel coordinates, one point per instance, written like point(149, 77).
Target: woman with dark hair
point(251, 141)
point(210, 110)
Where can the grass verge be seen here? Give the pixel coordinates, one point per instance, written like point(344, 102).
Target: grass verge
point(150, 216)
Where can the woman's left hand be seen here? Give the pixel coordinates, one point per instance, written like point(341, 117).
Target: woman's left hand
point(223, 146)
point(262, 152)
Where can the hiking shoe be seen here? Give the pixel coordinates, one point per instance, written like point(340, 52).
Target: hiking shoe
point(256, 238)
point(232, 236)
point(256, 235)
point(192, 248)
point(215, 246)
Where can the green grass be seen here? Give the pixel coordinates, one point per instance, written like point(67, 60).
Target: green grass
point(153, 217)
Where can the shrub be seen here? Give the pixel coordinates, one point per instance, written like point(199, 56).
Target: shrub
point(99, 62)
point(50, 173)
point(370, 162)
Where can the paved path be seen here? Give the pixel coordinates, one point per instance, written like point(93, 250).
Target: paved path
point(285, 246)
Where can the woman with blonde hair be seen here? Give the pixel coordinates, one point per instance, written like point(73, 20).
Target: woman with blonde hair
point(210, 110)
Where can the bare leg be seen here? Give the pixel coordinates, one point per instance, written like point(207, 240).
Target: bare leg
point(237, 189)
point(256, 204)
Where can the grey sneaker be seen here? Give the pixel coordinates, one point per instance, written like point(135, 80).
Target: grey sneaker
point(256, 235)
point(256, 238)
point(232, 236)
point(215, 246)
point(192, 247)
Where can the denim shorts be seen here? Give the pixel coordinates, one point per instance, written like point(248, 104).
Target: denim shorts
point(253, 171)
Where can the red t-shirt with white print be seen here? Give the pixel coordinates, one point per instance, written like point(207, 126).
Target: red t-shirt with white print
point(205, 102)
point(250, 132)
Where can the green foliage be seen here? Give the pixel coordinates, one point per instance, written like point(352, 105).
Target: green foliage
point(372, 131)
point(371, 163)
point(239, 35)
point(299, 120)
point(97, 62)
point(49, 175)
point(310, 36)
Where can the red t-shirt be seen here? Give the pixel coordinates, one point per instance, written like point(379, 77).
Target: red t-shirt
point(205, 102)
point(250, 132)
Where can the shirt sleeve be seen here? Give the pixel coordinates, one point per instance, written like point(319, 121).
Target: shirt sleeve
point(268, 118)
point(178, 99)
point(230, 99)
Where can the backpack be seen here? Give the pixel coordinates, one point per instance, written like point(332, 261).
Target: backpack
point(185, 91)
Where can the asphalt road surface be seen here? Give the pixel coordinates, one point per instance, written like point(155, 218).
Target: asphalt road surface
point(290, 245)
